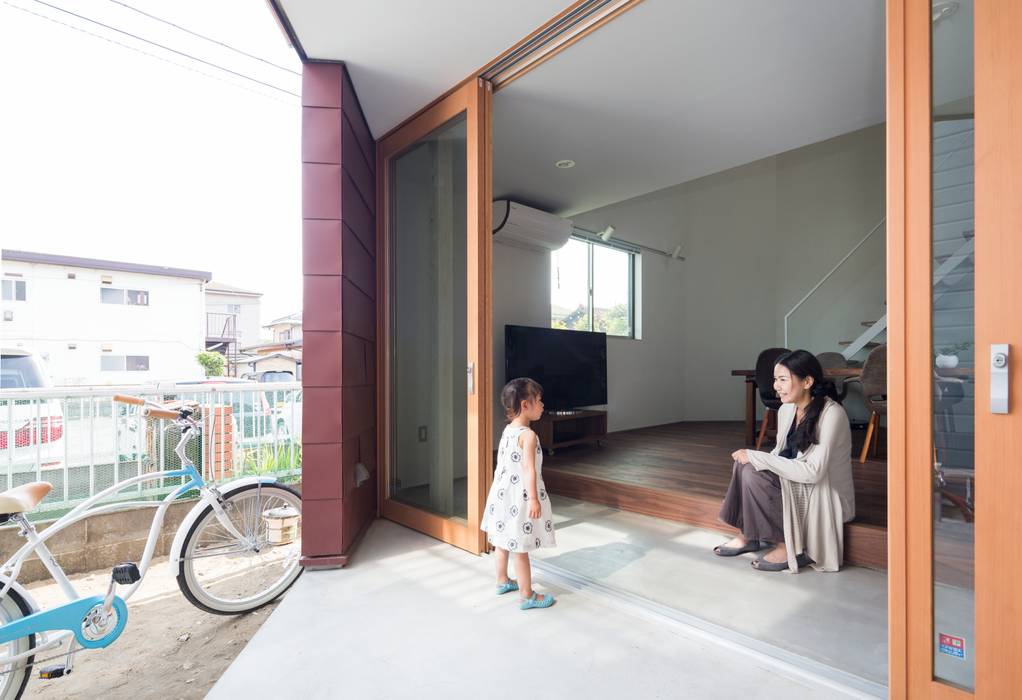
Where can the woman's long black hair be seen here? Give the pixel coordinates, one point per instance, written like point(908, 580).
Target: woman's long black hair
point(802, 364)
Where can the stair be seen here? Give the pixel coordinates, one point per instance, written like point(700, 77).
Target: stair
point(868, 346)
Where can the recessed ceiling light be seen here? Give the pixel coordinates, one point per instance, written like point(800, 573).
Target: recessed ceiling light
point(565, 164)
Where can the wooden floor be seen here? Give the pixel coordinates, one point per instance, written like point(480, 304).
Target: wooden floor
point(681, 471)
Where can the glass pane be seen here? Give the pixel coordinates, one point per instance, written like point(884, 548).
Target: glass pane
point(612, 284)
point(953, 266)
point(111, 296)
point(429, 322)
point(569, 286)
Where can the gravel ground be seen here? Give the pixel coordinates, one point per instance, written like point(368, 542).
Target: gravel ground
point(170, 649)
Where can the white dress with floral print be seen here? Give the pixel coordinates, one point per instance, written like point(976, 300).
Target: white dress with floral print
point(506, 515)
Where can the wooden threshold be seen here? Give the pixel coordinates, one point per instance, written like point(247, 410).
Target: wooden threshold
point(865, 545)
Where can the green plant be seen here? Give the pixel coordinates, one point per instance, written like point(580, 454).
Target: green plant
point(954, 349)
point(257, 461)
point(212, 362)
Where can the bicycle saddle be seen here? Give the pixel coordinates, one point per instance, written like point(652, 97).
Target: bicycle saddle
point(23, 498)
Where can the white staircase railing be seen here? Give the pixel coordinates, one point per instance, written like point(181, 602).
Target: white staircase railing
point(830, 274)
point(945, 269)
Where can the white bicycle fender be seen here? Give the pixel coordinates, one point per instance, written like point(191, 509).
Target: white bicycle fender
point(34, 607)
point(193, 514)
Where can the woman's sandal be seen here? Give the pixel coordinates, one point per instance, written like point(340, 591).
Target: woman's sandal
point(508, 587)
point(762, 564)
point(750, 546)
point(535, 602)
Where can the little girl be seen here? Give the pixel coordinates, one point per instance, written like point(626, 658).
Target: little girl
point(517, 517)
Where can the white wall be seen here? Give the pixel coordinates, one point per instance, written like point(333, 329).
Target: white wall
point(249, 324)
point(756, 239)
point(59, 312)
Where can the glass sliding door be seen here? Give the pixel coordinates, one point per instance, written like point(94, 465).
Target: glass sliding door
point(436, 277)
point(955, 252)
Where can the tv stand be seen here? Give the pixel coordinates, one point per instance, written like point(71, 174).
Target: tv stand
point(558, 429)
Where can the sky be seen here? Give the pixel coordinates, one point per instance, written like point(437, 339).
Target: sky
point(113, 148)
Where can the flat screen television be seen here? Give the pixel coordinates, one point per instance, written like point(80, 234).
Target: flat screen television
point(571, 365)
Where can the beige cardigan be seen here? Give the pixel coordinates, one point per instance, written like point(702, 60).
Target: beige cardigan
point(821, 477)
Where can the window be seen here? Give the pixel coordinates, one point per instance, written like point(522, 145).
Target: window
point(14, 290)
point(131, 297)
point(592, 288)
point(234, 308)
point(124, 363)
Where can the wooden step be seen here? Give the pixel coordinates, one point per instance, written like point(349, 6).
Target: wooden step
point(869, 346)
point(867, 324)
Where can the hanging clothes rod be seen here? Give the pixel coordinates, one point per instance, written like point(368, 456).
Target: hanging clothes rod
point(622, 244)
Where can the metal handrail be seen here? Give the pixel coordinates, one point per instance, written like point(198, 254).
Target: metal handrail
point(828, 276)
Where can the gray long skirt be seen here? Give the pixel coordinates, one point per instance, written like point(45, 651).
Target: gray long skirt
point(753, 504)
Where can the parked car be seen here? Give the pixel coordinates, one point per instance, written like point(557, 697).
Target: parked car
point(34, 427)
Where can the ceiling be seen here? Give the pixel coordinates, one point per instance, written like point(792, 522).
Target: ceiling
point(403, 54)
point(673, 90)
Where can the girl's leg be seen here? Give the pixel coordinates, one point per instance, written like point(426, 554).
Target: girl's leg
point(523, 569)
point(500, 557)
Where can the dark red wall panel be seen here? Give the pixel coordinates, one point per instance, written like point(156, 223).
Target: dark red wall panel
point(339, 318)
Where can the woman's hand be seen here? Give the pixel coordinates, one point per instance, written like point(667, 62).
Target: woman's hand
point(535, 511)
point(740, 456)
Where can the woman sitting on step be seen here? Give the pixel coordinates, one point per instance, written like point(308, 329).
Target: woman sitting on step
point(795, 500)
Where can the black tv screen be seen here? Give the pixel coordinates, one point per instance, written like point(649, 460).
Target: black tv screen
point(571, 365)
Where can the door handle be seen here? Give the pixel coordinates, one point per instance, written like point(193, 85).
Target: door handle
point(471, 378)
point(1000, 377)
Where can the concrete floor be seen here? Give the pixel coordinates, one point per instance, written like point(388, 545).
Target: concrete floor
point(838, 620)
point(411, 617)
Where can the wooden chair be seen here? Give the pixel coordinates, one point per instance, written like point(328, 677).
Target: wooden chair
point(765, 364)
point(835, 360)
point(874, 390)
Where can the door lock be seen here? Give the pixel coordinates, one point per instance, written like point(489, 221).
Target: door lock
point(471, 371)
point(999, 377)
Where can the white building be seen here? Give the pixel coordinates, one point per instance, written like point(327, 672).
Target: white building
point(287, 329)
point(232, 319)
point(104, 322)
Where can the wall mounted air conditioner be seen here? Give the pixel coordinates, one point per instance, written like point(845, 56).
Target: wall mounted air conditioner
point(525, 227)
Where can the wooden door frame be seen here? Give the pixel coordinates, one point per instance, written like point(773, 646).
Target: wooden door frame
point(997, 646)
point(473, 99)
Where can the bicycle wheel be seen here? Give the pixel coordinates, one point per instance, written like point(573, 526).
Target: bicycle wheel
point(224, 575)
point(14, 677)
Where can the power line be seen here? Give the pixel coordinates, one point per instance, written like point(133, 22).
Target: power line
point(201, 36)
point(150, 55)
point(165, 48)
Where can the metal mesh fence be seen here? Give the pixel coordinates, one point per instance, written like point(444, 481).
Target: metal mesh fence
point(81, 441)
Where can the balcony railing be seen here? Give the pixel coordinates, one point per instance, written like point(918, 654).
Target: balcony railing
point(81, 441)
point(221, 325)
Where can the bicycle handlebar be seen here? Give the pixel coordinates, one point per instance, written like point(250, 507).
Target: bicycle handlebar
point(160, 413)
point(135, 400)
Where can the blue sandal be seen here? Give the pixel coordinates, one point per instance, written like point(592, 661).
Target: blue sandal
point(535, 602)
point(508, 587)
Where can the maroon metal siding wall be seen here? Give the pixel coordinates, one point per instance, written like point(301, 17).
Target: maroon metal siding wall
point(339, 320)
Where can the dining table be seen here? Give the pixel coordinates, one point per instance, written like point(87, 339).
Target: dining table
point(961, 373)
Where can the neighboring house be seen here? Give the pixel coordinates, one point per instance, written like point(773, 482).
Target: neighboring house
point(282, 361)
point(224, 301)
point(287, 329)
point(104, 321)
point(232, 321)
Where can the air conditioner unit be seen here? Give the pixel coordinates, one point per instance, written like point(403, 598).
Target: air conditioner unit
point(525, 227)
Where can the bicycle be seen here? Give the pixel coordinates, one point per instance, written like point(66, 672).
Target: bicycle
point(236, 550)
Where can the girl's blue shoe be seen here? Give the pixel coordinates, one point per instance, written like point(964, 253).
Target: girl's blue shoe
point(535, 602)
point(508, 587)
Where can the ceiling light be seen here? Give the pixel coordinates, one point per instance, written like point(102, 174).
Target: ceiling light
point(565, 164)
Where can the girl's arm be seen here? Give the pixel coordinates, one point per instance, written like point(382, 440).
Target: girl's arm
point(528, 442)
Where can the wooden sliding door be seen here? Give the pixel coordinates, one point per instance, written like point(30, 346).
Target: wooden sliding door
point(435, 355)
point(955, 347)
